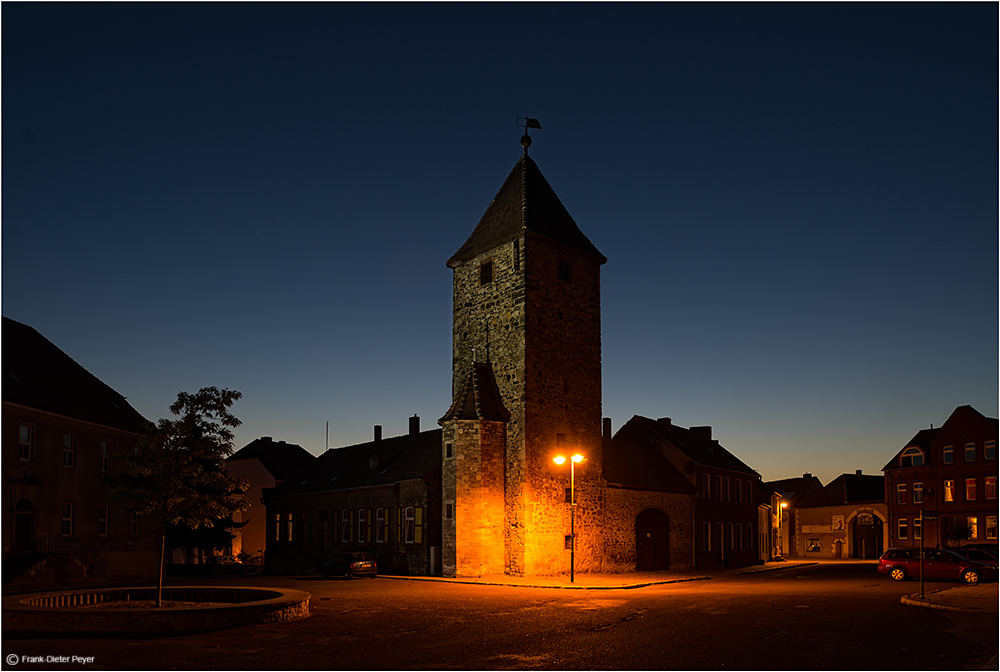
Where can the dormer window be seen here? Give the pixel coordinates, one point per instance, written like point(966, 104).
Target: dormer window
point(911, 457)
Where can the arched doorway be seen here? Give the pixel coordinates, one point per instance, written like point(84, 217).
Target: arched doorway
point(866, 531)
point(24, 527)
point(652, 540)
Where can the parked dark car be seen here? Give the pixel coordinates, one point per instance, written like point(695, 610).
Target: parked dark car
point(977, 554)
point(904, 563)
point(349, 565)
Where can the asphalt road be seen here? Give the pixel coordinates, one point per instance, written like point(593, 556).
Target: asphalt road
point(826, 616)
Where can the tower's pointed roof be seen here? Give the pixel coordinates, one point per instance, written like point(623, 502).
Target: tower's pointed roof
point(479, 398)
point(525, 202)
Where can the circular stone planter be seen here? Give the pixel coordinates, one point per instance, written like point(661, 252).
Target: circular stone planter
point(67, 612)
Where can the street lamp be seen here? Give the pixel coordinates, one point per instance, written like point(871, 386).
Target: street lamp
point(573, 461)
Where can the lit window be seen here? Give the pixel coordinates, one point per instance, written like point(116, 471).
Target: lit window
point(991, 527)
point(990, 450)
point(102, 520)
point(901, 493)
point(289, 527)
point(949, 491)
point(970, 452)
point(379, 526)
point(911, 457)
point(918, 493)
point(105, 456)
point(973, 524)
point(69, 451)
point(970, 489)
point(918, 532)
point(901, 529)
point(66, 528)
point(948, 455)
point(276, 526)
point(24, 451)
point(991, 487)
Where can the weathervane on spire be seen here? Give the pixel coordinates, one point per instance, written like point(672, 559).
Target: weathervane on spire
point(528, 123)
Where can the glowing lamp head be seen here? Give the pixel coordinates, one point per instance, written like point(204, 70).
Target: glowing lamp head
point(578, 458)
point(784, 504)
point(559, 460)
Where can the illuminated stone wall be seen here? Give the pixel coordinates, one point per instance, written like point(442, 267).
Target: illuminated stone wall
point(473, 483)
point(621, 509)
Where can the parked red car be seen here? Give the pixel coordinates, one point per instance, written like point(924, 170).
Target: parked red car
point(977, 554)
point(904, 563)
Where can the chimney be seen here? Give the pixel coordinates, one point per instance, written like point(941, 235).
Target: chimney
point(807, 475)
point(266, 439)
point(606, 428)
point(664, 421)
point(704, 432)
point(858, 473)
point(378, 432)
point(414, 424)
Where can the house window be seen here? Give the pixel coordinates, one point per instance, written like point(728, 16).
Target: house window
point(449, 511)
point(345, 526)
point(379, 526)
point(718, 487)
point(973, 524)
point(289, 527)
point(970, 452)
point(719, 530)
point(911, 457)
point(918, 532)
point(105, 456)
point(69, 451)
point(948, 455)
point(24, 444)
point(729, 493)
point(901, 528)
point(413, 525)
point(970, 489)
point(135, 524)
point(364, 527)
point(324, 526)
point(738, 486)
point(949, 491)
point(276, 526)
point(486, 273)
point(447, 450)
point(706, 487)
point(66, 528)
point(918, 493)
point(102, 520)
point(990, 450)
point(706, 542)
point(991, 527)
point(749, 492)
point(564, 270)
point(991, 487)
point(812, 545)
point(901, 493)
point(739, 535)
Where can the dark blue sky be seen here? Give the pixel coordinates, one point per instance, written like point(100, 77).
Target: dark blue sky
point(798, 203)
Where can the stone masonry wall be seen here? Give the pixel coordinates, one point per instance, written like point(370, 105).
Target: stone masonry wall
point(621, 509)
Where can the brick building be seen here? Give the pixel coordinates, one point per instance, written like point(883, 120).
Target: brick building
point(950, 473)
point(792, 492)
point(62, 428)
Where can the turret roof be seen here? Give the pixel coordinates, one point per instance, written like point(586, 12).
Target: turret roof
point(525, 203)
point(479, 398)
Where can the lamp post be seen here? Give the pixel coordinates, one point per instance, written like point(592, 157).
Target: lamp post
point(572, 508)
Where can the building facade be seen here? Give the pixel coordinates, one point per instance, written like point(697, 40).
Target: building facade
point(792, 492)
point(846, 519)
point(941, 487)
point(62, 430)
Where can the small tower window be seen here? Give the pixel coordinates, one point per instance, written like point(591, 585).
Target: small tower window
point(486, 272)
point(564, 270)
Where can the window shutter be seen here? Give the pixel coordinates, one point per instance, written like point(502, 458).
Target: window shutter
point(418, 525)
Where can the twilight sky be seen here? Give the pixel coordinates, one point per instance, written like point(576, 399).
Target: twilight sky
point(798, 203)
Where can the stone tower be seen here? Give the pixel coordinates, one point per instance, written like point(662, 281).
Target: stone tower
point(526, 323)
